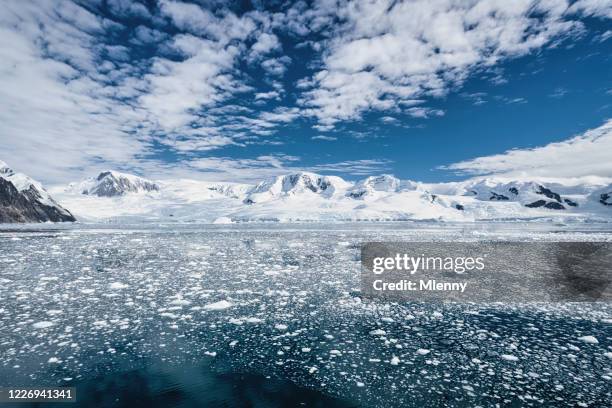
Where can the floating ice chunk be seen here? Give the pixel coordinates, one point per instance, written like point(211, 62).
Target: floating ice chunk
point(281, 327)
point(233, 343)
point(588, 339)
point(253, 320)
point(360, 384)
point(509, 357)
point(395, 360)
point(54, 360)
point(43, 324)
point(180, 302)
point(437, 315)
point(220, 305)
point(335, 352)
point(223, 220)
point(423, 352)
point(118, 285)
point(378, 332)
point(608, 354)
point(211, 353)
point(307, 350)
point(87, 291)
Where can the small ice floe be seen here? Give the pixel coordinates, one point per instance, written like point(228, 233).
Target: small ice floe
point(360, 384)
point(54, 360)
point(423, 352)
point(87, 291)
point(233, 343)
point(118, 285)
point(335, 352)
point(608, 354)
point(437, 315)
point(509, 357)
point(180, 302)
point(281, 327)
point(307, 350)
point(312, 370)
point(253, 320)
point(220, 305)
point(588, 339)
point(394, 360)
point(211, 353)
point(54, 312)
point(378, 332)
point(43, 324)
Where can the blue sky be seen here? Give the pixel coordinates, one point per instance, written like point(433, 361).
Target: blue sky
point(425, 90)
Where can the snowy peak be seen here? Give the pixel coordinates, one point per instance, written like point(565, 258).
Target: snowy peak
point(302, 183)
point(5, 170)
point(113, 183)
point(530, 194)
point(23, 199)
point(375, 185)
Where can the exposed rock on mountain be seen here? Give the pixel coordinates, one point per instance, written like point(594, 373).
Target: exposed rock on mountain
point(310, 197)
point(296, 184)
point(22, 199)
point(530, 194)
point(113, 184)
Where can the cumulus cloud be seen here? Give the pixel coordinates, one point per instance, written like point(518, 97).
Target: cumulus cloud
point(384, 52)
point(71, 88)
point(583, 155)
point(115, 82)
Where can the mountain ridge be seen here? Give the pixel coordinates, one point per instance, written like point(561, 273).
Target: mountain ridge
point(310, 197)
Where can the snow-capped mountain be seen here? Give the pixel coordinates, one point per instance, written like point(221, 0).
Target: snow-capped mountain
point(296, 185)
point(114, 183)
point(305, 197)
point(23, 199)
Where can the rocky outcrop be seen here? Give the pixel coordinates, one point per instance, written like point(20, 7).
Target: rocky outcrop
point(28, 206)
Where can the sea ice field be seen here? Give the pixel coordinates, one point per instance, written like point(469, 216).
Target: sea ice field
point(87, 304)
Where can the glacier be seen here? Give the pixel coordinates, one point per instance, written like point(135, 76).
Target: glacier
point(310, 197)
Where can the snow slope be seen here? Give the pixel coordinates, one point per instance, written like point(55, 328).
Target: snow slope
point(306, 197)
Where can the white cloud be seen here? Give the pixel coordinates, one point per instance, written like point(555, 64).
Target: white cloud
point(267, 95)
point(265, 44)
point(323, 137)
point(276, 66)
point(68, 89)
point(423, 112)
point(583, 155)
point(85, 89)
point(254, 170)
point(384, 52)
point(595, 8)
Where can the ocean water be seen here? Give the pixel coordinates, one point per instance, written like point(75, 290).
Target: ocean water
point(269, 315)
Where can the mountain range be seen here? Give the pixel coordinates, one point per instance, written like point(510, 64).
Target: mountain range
point(113, 196)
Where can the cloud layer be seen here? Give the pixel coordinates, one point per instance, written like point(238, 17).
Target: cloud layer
point(583, 155)
point(129, 84)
